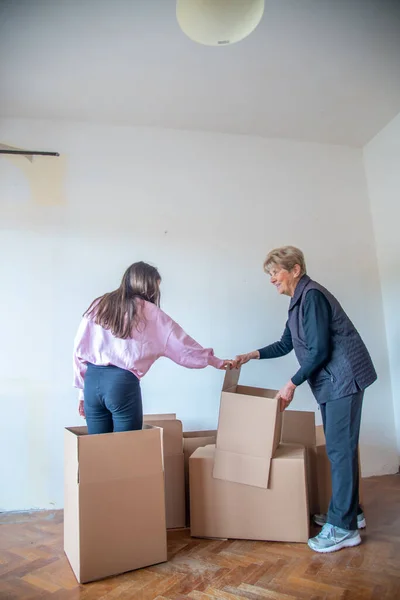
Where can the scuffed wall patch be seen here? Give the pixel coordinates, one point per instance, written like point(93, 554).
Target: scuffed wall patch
point(45, 176)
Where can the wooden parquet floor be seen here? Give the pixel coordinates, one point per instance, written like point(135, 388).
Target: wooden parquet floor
point(33, 565)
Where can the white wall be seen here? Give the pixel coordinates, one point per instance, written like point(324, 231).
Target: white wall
point(382, 167)
point(205, 208)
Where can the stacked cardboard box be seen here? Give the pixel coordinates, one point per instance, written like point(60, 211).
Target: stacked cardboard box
point(257, 478)
point(191, 441)
point(176, 464)
point(249, 486)
point(174, 470)
point(224, 509)
point(299, 427)
point(114, 510)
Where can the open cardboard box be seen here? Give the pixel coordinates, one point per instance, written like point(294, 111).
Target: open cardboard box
point(114, 509)
point(174, 470)
point(249, 431)
point(248, 486)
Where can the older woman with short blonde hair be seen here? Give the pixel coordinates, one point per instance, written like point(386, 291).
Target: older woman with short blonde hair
point(335, 362)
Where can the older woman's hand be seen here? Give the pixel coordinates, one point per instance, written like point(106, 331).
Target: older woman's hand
point(242, 359)
point(285, 395)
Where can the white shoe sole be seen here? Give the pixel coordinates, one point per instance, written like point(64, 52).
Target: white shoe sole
point(360, 524)
point(349, 543)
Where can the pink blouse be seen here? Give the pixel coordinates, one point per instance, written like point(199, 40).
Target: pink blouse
point(156, 335)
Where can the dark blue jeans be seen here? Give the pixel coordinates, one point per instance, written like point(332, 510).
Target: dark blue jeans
point(112, 400)
point(342, 419)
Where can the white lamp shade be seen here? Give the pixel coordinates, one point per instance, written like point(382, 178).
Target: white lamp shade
point(218, 22)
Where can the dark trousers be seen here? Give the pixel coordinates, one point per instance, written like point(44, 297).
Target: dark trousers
point(112, 400)
point(342, 419)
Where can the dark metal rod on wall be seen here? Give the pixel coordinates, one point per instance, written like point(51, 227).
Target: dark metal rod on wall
point(29, 153)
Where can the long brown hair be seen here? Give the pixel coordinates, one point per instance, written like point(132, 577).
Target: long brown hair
point(118, 310)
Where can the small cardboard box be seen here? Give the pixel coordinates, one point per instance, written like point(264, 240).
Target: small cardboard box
point(114, 510)
point(174, 469)
point(249, 431)
point(191, 441)
point(298, 427)
point(222, 509)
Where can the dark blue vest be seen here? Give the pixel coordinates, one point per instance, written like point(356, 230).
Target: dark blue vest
point(350, 367)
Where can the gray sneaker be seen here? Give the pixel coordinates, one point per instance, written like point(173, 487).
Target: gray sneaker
point(332, 538)
point(322, 519)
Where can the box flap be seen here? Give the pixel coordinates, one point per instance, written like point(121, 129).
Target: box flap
point(71, 463)
point(161, 417)
point(113, 456)
point(191, 444)
point(284, 451)
point(241, 468)
point(199, 434)
point(290, 452)
point(71, 501)
point(203, 452)
point(248, 425)
point(298, 427)
point(231, 379)
point(172, 435)
point(82, 430)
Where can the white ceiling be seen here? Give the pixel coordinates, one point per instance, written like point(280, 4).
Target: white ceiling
point(318, 70)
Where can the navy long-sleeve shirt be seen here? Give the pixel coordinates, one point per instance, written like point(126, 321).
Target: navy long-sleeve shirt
point(316, 323)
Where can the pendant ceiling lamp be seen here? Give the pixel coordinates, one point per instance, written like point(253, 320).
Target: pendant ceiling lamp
point(218, 22)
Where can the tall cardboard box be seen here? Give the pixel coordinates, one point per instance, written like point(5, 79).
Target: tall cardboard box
point(249, 431)
point(223, 509)
point(298, 427)
point(114, 510)
point(174, 469)
point(191, 441)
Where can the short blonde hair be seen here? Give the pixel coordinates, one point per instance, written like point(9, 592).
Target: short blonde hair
point(285, 257)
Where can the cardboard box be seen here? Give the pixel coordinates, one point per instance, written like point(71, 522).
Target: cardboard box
point(161, 416)
point(249, 431)
point(114, 511)
point(222, 509)
point(191, 441)
point(298, 427)
point(174, 470)
point(322, 468)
